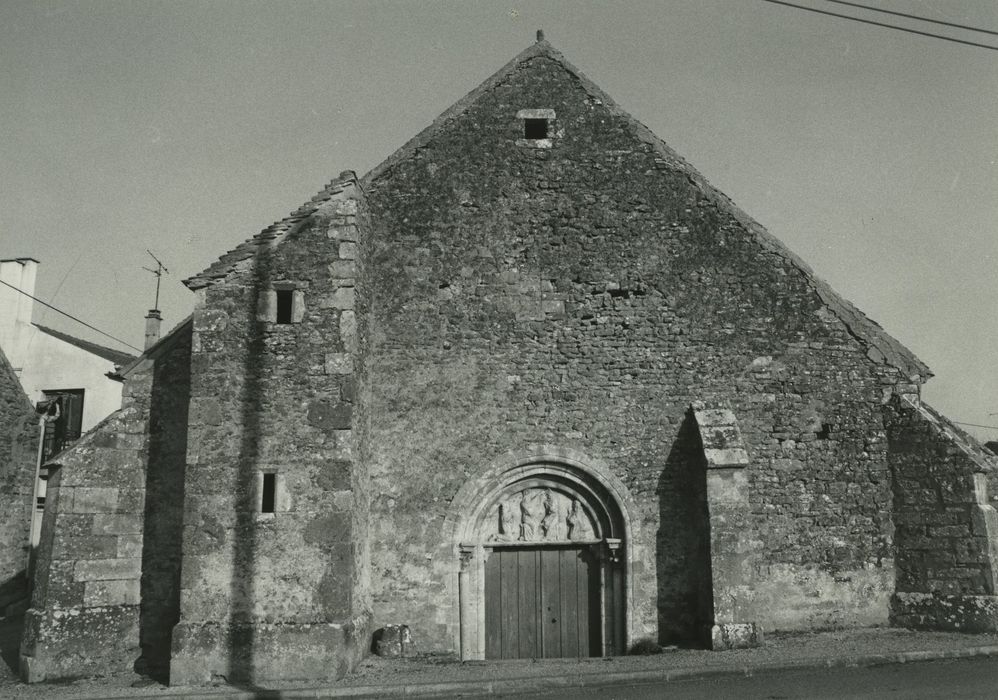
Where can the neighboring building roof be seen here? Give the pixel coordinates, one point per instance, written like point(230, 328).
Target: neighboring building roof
point(116, 356)
point(153, 349)
point(272, 235)
point(881, 346)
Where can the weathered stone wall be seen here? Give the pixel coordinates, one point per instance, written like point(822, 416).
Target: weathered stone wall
point(165, 376)
point(18, 445)
point(107, 559)
point(946, 528)
point(584, 295)
point(84, 615)
point(268, 596)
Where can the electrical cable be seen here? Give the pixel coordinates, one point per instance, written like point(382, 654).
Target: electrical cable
point(882, 24)
point(920, 19)
point(46, 304)
point(976, 425)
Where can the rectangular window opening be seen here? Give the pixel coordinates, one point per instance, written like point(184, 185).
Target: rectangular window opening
point(285, 302)
point(535, 128)
point(269, 493)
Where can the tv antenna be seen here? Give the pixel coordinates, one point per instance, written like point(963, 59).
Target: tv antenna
point(160, 269)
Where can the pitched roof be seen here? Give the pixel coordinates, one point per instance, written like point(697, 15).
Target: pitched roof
point(154, 349)
point(272, 235)
point(881, 346)
point(116, 356)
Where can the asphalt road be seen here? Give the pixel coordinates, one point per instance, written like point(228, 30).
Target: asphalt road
point(962, 678)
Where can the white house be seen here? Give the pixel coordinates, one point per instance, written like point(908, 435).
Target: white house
point(74, 375)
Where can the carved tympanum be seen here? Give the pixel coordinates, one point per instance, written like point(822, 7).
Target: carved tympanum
point(539, 515)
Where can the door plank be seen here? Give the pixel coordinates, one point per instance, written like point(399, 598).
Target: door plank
point(493, 607)
point(509, 587)
point(585, 597)
point(551, 603)
point(570, 566)
point(527, 568)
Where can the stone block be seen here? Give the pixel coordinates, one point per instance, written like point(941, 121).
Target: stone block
point(339, 363)
point(713, 417)
point(330, 416)
point(117, 592)
point(129, 546)
point(730, 635)
point(117, 524)
point(108, 569)
point(88, 547)
point(348, 330)
point(727, 486)
point(343, 269)
point(555, 307)
point(393, 641)
point(87, 499)
point(348, 250)
point(341, 298)
point(729, 457)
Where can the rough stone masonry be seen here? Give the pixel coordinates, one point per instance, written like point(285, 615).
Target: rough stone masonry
point(530, 387)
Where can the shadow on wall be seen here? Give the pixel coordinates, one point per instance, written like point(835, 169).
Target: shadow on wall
point(241, 631)
point(164, 508)
point(685, 596)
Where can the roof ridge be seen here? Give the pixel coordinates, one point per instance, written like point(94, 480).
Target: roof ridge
point(271, 235)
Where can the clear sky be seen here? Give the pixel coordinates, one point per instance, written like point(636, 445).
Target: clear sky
point(186, 127)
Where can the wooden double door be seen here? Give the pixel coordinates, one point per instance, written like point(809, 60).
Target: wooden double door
point(542, 602)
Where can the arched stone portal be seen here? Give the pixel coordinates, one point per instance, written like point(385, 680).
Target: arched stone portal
point(542, 539)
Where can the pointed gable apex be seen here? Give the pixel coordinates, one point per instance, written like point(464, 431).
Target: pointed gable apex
point(881, 347)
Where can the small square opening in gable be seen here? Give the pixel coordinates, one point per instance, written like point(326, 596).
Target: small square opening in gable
point(535, 128)
point(285, 304)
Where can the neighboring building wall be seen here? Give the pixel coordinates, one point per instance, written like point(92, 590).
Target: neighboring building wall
point(93, 567)
point(585, 295)
point(279, 595)
point(54, 364)
point(946, 529)
point(45, 362)
point(18, 452)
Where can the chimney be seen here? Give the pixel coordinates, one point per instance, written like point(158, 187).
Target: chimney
point(16, 305)
point(153, 322)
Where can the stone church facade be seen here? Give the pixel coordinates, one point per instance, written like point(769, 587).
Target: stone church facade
point(531, 387)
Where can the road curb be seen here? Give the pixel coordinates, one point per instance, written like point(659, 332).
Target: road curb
point(535, 684)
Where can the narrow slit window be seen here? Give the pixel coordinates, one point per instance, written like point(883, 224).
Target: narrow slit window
point(268, 493)
point(285, 303)
point(535, 128)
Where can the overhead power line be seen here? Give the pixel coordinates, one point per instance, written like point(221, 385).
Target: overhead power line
point(976, 425)
point(80, 321)
point(920, 19)
point(882, 24)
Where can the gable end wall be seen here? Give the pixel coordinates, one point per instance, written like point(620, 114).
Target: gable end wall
point(585, 295)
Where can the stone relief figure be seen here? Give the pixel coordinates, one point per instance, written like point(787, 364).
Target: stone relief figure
point(579, 527)
point(549, 524)
point(531, 511)
point(509, 529)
